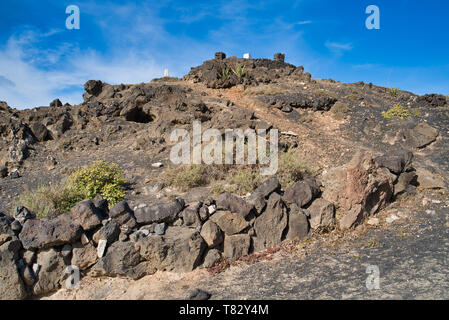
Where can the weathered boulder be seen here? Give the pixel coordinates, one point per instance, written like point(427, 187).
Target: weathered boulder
point(56, 103)
point(404, 182)
point(109, 232)
point(236, 246)
point(211, 257)
point(86, 214)
point(101, 204)
point(358, 189)
point(83, 256)
point(139, 234)
point(257, 245)
point(258, 201)
point(298, 225)
point(13, 246)
point(3, 172)
point(279, 57)
point(396, 161)
point(212, 234)
point(5, 224)
point(190, 215)
point(220, 55)
point(267, 187)
point(420, 136)
point(46, 233)
point(432, 100)
point(428, 180)
point(121, 259)
point(217, 215)
point(180, 249)
point(258, 197)
point(51, 272)
point(302, 192)
point(270, 225)
point(40, 131)
point(11, 284)
point(322, 213)
point(122, 214)
point(166, 212)
point(29, 256)
point(303, 100)
point(233, 203)
point(63, 124)
point(18, 151)
point(16, 226)
point(93, 87)
point(203, 212)
point(232, 223)
point(159, 228)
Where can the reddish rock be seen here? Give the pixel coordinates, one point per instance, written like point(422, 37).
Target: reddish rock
point(358, 189)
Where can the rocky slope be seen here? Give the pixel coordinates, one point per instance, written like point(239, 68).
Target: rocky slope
point(364, 161)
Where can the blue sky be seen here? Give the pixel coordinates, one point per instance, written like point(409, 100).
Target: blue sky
point(134, 41)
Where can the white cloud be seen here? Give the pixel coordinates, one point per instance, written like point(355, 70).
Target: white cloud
point(338, 48)
point(304, 22)
point(25, 83)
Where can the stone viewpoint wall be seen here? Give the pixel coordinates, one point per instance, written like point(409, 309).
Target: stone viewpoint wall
point(179, 236)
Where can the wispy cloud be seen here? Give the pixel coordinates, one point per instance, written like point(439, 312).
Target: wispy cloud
point(338, 48)
point(26, 82)
point(303, 22)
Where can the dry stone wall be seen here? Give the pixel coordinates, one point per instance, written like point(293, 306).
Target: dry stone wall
point(38, 256)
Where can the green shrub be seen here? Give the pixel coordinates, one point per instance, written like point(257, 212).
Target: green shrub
point(416, 112)
point(224, 74)
point(394, 91)
point(239, 71)
point(397, 111)
point(245, 180)
point(239, 179)
point(100, 178)
point(185, 177)
point(291, 168)
point(44, 200)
